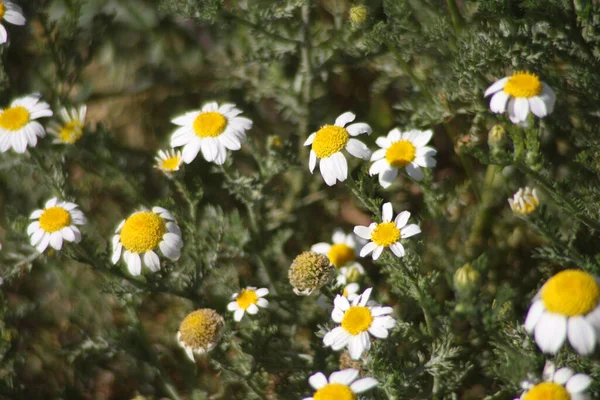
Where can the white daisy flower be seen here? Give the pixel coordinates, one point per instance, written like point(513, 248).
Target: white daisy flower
point(520, 93)
point(562, 384)
point(213, 130)
point(357, 321)
point(143, 233)
point(249, 300)
point(200, 332)
point(525, 201)
point(351, 291)
point(387, 233)
point(402, 150)
point(70, 129)
point(168, 161)
point(55, 223)
point(342, 255)
point(342, 385)
point(328, 143)
point(18, 127)
point(11, 13)
point(567, 306)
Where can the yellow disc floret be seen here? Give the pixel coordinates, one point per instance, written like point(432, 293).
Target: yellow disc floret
point(400, 154)
point(329, 140)
point(571, 292)
point(334, 391)
point(523, 84)
point(547, 391)
point(201, 329)
point(142, 232)
point(357, 319)
point(385, 234)
point(54, 219)
point(209, 124)
point(246, 298)
point(71, 132)
point(341, 254)
point(14, 118)
point(171, 163)
point(2, 10)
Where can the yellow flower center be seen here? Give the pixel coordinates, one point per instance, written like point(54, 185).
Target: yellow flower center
point(2, 10)
point(209, 124)
point(329, 140)
point(400, 154)
point(14, 118)
point(142, 232)
point(54, 219)
point(523, 84)
point(334, 391)
point(571, 292)
point(71, 132)
point(171, 164)
point(547, 391)
point(357, 319)
point(246, 298)
point(341, 254)
point(385, 234)
point(200, 328)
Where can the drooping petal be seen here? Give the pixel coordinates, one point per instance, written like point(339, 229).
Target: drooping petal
point(533, 316)
point(498, 102)
point(358, 149)
point(358, 129)
point(368, 248)
point(409, 231)
point(578, 383)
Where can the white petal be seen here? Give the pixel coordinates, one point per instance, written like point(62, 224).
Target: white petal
point(134, 264)
point(56, 240)
point(344, 377)
point(387, 177)
point(402, 219)
point(414, 171)
point(34, 226)
point(548, 97)
point(189, 353)
point(233, 306)
point(116, 253)
point(409, 231)
point(262, 292)
point(37, 236)
point(427, 162)
point(3, 36)
point(379, 166)
point(358, 149)
point(422, 138)
point(358, 129)
point(533, 315)
point(317, 381)
point(498, 102)
point(169, 251)
point(578, 383)
point(14, 17)
point(538, 107)
point(397, 249)
point(327, 171)
point(495, 86)
point(562, 376)
point(387, 212)
point(341, 303)
point(339, 236)
point(379, 311)
point(550, 332)
point(312, 161)
point(321, 248)
point(394, 135)
point(230, 141)
point(377, 252)
point(581, 335)
point(190, 151)
point(378, 331)
point(252, 309)
point(364, 297)
point(43, 244)
point(221, 156)
point(336, 338)
point(345, 118)
point(238, 314)
point(67, 234)
point(337, 315)
point(263, 303)
point(355, 347)
point(36, 214)
point(310, 139)
point(341, 166)
point(367, 248)
point(384, 143)
point(594, 318)
point(152, 261)
point(364, 384)
point(363, 232)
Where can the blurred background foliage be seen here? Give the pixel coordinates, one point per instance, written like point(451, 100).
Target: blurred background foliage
point(74, 326)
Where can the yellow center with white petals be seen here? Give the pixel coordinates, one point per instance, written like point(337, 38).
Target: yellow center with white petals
point(54, 219)
point(142, 232)
point(14, 118)
point(341, 254)
point(329, 140)
point(571, 292)
point(334, 391)
point(385, 234)
point(171, 163)
point(357, 319)
point(2, 10)
point(401, 153)
point(209, 124)
point(547, 391)
point(246, 298)
point(523, 84)
point(71, 132)
point(530, 205)
point(200, 328)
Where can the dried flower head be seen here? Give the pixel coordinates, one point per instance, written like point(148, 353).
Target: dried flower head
point(200, 331)
point(309, 272)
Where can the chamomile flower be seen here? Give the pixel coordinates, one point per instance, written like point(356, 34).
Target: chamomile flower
point(200, 332)
point(342, 255)
point(562, 384)
point(357, 322)
point(11, 13)
point(70, 129)
point(342, 385)
point(168, 161)
point(387, 233)
point(248, 300)
point(566, 307)
point(142, 234)
point(402, 150)
point(55, 223)
point(520, 93)
point(18, 127)
point(212, 130)
point(525, 201)
point(329, 141)
point(351, 291)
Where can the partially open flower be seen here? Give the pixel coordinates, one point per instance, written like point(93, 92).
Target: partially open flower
point(310, 271)
point(200, 331)
point(525, 201)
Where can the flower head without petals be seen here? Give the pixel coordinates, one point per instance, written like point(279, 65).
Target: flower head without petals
point(309, 272)
point(200, 331)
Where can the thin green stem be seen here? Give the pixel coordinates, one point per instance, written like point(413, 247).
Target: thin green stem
point(457, 19)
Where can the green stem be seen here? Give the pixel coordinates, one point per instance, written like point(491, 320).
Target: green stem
point(457, 19)
point(466, 162)
point(306, 70)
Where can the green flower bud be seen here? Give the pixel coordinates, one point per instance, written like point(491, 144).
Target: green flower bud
point(466, 278)
point(358, 14)
point(309, 272)
point(497, 137)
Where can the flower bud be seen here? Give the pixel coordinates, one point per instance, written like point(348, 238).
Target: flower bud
point(497, 138)
point(358, 14)
point(525, 201)
point(309, 272)
point(466, 278)
point(200, 331)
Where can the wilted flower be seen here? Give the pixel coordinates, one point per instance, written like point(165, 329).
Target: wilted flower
point(309, 272)
point(200, 331)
